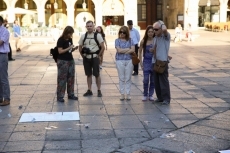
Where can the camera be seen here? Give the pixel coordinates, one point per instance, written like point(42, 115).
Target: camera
point(85, 50)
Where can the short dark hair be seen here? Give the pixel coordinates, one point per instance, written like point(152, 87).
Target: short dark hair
point(90, 21)
point(130, 22)
point(1, 19)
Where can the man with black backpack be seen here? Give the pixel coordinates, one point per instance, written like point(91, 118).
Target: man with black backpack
point(91, 47)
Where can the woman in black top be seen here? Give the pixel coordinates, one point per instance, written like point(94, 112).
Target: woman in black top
point(100, 30)
point(66, 65)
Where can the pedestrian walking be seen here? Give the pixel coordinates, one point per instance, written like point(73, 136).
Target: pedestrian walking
point(66, 65)
point(124, 46)
point(135, 35)
point(161, 46)
point(147, 66)
point(4, 50)
point(91, 47)
point(17, 34)
point(100, 30)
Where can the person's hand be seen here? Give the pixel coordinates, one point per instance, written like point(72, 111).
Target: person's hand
point(75, 48)
point(169, 57)
point(164, 28)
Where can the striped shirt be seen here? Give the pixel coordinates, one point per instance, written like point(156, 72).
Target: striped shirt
point(4, 36)
point(123, 44)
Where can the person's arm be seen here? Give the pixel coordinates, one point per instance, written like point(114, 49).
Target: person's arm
point(4, 37)
point(138, 36)
point(80, 50)
point(102, 49)
point(62, 51)
point(140, 53)
point(105, 43)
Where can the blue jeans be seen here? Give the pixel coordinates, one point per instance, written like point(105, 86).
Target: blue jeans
point(148, 80)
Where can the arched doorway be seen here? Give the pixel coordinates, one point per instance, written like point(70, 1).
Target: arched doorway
point(26, 19)
point(82, 15)
point(113, 12)
point(3, 7)
point(56, 14)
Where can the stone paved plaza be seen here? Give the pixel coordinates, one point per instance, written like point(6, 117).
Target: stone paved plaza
point(197, 119)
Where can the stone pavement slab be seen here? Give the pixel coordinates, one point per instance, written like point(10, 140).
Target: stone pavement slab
point(197, 118)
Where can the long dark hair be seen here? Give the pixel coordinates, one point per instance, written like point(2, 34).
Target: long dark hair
point(146, 37)
point(102, 32)
point(67, 30)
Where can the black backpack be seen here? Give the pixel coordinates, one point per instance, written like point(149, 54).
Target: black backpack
point(54, 53)
point(95, 38)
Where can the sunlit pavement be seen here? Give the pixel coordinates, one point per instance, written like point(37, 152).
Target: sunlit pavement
point(197, 118)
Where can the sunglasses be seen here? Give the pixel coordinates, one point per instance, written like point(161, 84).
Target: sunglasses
point(122, 32)
point(156, 29)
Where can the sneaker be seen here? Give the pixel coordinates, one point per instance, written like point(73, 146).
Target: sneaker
point(100, 67)
point(73, 97)
point(165, 102)
point(158, 100)
point(5, 102)
point(122, 97)
point(99, 94)
point(60, 100)
point(144, 98)
point(151, 98)
point(88, 93)
point(128, 97)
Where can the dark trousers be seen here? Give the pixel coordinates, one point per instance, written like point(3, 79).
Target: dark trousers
point(10, 53)
point(135, 67)
point(162, 87)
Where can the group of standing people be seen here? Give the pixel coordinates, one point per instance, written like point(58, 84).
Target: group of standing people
point(154, 46)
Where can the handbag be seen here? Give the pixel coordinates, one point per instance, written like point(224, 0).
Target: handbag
point(159, 66)
point(135, 59)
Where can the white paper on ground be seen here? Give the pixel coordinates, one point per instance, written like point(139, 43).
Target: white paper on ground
point(49, 116)
point(225, 151)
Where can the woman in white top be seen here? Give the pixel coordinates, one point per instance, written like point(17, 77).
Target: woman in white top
point(178, 33)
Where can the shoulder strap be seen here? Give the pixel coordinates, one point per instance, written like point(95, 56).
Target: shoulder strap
point(95, 38)
point(84, 38)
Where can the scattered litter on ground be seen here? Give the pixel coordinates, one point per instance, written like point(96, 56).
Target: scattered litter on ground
point(147, 122)
point(167, 120)
point(69, 128)
point(158, 130)
point(213, 137)
point(161, 117)
point(20, 107)
point(0, 110)
point(190, 151)
point(54, 127)
point(86, 126)
point(169, 135)
point(50, 127)
point(9, 115)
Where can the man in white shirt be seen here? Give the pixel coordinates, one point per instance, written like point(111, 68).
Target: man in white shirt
point(135, 36)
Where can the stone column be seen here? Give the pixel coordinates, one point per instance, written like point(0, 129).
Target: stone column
point(70, 11)
point(98, 12)
point(10, 8)
point(223, 10)
point(191, 13)
point(130, 9)
point(41, 11)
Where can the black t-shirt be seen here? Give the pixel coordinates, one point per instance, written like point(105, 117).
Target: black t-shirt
point(63, 43)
